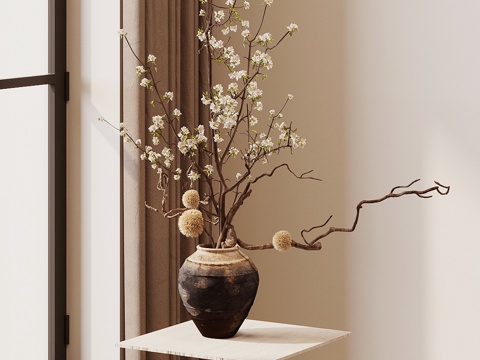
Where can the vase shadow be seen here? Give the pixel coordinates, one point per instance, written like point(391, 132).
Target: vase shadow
point(273, 335)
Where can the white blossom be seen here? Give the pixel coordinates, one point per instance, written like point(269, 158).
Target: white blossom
point(233, 88)
point(216, 44)
point(178, 172)
point(145, 83)
point(202, 12)
point(238, 176)
point(233, 151)
point(168, 96)
point(219, 15)
point(208, 170)
point(157, 120)
point(140, 70)
point(201, 35)
point(205, 99)
point(217, 138)
point(122, 33)
point(218, 88)
point(289, 96)
point(268, 2)
point(262, 60)
point(264, 39)
point(192, 175)
point(237, 75)
point(292, 28)
point(215, 108)
point(296, 141)
point(151, 58)
point(246, 5)
point(177, 113)
point(184, 131)
point(267, 144)
point(253, 120)
point(253, 92)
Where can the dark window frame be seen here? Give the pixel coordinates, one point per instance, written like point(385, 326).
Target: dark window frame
point(57, 79)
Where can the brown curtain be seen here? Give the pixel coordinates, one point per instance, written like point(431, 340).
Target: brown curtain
point(153, 249)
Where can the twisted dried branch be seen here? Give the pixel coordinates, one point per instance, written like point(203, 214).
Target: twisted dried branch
point(315, 243)
point(439, 188)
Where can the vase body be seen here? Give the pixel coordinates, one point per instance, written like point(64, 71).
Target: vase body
point(218, 287)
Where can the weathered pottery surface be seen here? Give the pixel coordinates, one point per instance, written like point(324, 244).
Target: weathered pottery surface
point(218, 287)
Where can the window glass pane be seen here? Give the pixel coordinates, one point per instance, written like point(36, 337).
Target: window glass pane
point(24, 222)
point(24, 30)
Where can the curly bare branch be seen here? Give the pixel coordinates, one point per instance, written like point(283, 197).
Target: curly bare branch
point(315, 243)
point(439, 188)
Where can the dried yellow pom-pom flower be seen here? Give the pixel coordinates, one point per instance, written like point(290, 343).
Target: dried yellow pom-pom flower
point(190, 223)
point(191, 199)
point(282, 240)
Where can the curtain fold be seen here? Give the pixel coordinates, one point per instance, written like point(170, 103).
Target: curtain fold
point(153, 249)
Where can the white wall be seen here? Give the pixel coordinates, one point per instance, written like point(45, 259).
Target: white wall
point(386, 92)
point(412, 110)
point(93, 272)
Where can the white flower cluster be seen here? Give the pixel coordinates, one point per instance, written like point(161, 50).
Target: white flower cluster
point(232, 59)
point(189, 143)
point(156, 128)
point(253, 92)
point(223, 109)
point(287, 134)
point(262, 60)
point(157, 160)
point(219, 15)
point(229, 108)
point(264, 39)
point(292, 28)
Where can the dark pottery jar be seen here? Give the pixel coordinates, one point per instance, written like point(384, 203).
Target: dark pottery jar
point(218, 287)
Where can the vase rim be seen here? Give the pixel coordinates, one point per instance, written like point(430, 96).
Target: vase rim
point(204, 247)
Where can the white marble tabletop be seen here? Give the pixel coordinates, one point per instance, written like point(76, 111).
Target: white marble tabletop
point(256, 340)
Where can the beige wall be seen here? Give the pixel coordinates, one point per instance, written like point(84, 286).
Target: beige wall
point(386, 92)
point(298, 287)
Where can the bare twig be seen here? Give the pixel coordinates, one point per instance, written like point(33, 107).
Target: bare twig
point(315, 244)
point(439, 188)
point(301, 176)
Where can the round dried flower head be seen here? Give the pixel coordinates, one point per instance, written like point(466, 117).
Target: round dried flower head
point(190, 223)
point(282, 240)
point(191, 199)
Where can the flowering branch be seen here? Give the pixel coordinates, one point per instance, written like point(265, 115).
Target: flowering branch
point(233, 132)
